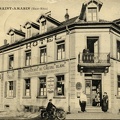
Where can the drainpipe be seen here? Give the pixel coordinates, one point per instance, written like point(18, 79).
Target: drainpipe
point(69, 32)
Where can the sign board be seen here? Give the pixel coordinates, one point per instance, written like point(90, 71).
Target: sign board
point(50, 84)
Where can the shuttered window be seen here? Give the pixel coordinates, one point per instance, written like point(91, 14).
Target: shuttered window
point(10, 89)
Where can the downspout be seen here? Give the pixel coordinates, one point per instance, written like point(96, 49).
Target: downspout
point(69, 110)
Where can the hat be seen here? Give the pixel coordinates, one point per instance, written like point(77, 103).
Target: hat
point(50, 99)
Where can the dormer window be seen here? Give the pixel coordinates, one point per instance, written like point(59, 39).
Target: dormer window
point(29, 34)
point(43, 26)
point(12, 38)
point(92, 14)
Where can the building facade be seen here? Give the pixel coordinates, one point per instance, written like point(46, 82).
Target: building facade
point(58, 60)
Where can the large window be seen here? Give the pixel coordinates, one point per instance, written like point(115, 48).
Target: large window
point(11, 61)
point(92, 14)
point(119, 85)
point(61, 50)
point(42, 88)
point(43, 54)
point(10, 88)
point(28, 58)
point(43, 26)
point(27, 91)
point(60, 85)
point(118, 50)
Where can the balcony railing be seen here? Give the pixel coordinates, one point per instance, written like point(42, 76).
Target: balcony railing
point(93, 58)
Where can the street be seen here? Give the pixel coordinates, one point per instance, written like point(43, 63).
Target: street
point(74, 116)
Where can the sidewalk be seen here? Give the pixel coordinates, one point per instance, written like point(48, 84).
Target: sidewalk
point(92, 115)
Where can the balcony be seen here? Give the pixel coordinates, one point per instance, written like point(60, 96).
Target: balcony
point(93, 62)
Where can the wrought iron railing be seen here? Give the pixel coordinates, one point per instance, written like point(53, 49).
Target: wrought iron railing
point(93, 58)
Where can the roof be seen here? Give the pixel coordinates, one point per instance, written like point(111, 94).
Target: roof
point(19, 32)
point(33, 24)
point(49, 18)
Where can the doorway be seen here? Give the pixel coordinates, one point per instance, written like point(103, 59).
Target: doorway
point(92, 87)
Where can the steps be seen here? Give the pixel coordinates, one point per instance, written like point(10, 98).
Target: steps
point(90, 109)
point(93, 109)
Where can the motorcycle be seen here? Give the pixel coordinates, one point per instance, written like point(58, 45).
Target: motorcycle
point(57, 113)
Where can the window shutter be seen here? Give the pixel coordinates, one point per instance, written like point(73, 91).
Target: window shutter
point(5, 89)
point(14, 88)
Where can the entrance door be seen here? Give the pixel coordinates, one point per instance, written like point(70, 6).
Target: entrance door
point(92, 88)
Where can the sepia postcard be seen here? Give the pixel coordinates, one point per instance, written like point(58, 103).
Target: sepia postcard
point(59, 59)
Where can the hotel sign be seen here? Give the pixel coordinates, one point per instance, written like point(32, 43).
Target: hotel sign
point(45, 69)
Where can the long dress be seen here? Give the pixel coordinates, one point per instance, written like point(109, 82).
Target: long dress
point(104, 104)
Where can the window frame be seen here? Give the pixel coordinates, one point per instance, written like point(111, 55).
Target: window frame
point(44, 92)
point(25, 92)
point(45, 54)
point(62, 53)
point(10, 62)
point(10, 89)
point(118, 50)
point(118, 83)
point(62, 94)
point(90, 15)
point(43, 26)
point(30, 58)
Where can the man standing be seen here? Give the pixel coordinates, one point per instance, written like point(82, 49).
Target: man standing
point(83, 100)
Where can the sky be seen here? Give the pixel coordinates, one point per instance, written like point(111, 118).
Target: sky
point(14, 18)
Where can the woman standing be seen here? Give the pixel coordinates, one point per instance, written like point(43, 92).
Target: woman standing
point(104, 103)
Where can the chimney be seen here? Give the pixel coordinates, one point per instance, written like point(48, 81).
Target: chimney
point(5, 42)
point(66, 15)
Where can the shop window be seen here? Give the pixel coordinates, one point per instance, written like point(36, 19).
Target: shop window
point(43, 26)
point(42, 88)
point(92, 14)
point(28, 58)
point(11, 61)
point(27, 87)
point(10, 88)
point(60, 85)
point(118, 50)
point(60, 50)
point(29, 34)
point(43, 54)
point(119, 85)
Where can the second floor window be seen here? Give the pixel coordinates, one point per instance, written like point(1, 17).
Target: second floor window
point(118, 50)
point(27, 89)
point(42, 88)
point(11, 61)
point(27, 58)
point(92, 14)
point(43, 54)
point(61, 50)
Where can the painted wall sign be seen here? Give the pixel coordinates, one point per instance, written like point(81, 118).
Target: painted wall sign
point(50, 84)
point(45, 69)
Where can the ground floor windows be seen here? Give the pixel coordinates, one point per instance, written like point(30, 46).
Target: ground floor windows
point(27, 89)
point(42, 87)
point(60, 85)
point(119, 85)
point(10, 88)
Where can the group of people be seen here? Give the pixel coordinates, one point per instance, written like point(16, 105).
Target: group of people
point(82, 103)
point(103, 103)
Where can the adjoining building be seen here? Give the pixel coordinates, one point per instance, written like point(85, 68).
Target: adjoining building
point(58, 60)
